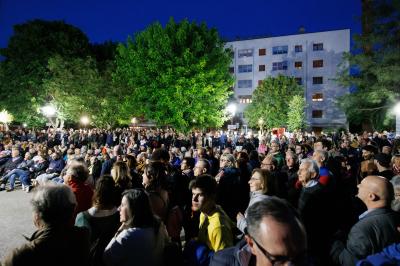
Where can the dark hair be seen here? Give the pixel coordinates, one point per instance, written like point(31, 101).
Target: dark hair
point(140, 212)
point(206, 183)
point(206, 164)
point(253, 155)
point(325, 143)
point(189, 161)
point(268, 180)
point(156, 173)
point(131, 161)
point(160, 154)
point(104, 192)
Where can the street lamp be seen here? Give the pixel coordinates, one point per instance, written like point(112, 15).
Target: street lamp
point(231, 108)
point(5, 118)
point(397, 113)
point(49, 110)
point(85, 120)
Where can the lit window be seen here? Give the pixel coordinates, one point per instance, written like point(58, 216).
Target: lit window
point(262, 52)
point(245, 68)
point(318, 46)
point(317, 80)
point(280, 49)
point(245, 53)
point(279, 65)
point(261, 68)
point(298, 65)
point(246, 99)
point(298, 48)
point(318, 63)
point(245, 83)
point(317, 97)
point(317, 113)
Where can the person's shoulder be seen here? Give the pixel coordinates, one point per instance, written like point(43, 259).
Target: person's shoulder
point(224, 257)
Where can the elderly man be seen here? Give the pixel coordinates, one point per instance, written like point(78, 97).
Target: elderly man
point(57, 241)
point(275, 236)
point(377, 227)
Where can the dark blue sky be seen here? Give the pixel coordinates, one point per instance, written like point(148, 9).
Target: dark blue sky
point(103, 20)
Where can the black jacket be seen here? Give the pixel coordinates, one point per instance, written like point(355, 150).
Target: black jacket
point(370, 235)
point(230, 256)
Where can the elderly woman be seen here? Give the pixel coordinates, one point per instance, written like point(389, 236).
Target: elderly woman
point(261, 185)
point(56, 241)
point(142, 236)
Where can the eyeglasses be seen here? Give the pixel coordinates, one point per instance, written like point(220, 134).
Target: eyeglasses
point(279, 260)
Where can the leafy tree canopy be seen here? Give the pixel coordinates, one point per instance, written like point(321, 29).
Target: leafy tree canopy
point(177, 75)
point(270, 101)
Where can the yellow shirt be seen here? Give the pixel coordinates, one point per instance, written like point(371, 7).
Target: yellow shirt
point(216, 230)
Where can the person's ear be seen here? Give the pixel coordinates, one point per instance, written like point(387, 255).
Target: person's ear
point(250, 243)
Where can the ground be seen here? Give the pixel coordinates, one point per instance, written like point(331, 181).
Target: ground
point(15, 219)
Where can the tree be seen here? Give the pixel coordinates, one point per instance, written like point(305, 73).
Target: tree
point(25, 64)
point(372, 71)
point(296, 114)
point(176, 75)
point(270, 101)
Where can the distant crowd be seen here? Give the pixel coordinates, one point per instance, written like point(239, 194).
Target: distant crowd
point(137, 196)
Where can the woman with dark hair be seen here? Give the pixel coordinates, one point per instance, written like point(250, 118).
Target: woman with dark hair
point(142, 237)
point(102, 219)
point(135, 176)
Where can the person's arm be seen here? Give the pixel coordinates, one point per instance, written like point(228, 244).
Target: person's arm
point(117, 249)
point(82, 221)
point(221, 237)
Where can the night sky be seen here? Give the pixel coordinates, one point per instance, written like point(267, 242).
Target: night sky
point(103, 20)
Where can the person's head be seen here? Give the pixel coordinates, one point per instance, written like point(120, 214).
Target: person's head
point(383, 161)
point(187, 163)
point(131, 161)
point(270, 163)
point(55, 155)
point(27, 156)
point(14, 152)
point(291, 159)
point(368, 152)
point(275, 146)
point(161, 155)
point(322, 144)
point(135, 209)
point(275, 234)
point(77, 172)
point(321, 157)
point(204, 189)
point(387, 150)
point(202, 167)
point(308, 170)
point(120, 173)
point(104, 192)
point(396, 161)
point(53, 205)
point(260, 181)
point(154, 175)
point(396, 188)
point(227, 160)
point(375, 192)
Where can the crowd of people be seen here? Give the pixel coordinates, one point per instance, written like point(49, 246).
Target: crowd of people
point(136, 196)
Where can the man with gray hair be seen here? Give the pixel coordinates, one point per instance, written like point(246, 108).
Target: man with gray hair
point(275, 236)
point(56, 241)
point(316, 211)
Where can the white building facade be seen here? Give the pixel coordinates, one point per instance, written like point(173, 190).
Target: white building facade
point(312, 58)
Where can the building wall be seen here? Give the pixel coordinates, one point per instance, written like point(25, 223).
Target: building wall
point(334, 44)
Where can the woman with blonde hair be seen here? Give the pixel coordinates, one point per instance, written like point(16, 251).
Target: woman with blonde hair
point(122, 178)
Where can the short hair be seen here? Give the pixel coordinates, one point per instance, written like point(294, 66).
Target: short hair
point(54, 204)
point(230, 158)
point(189, 161)
point(104, 192)
point(271, 157)
point(325, 143)
point(78, 171)
point(293, 155)
point(276, 208)
point(206, 164)
point(206, 183)
point(160, 154)
point(312, 167)
point(395, 182)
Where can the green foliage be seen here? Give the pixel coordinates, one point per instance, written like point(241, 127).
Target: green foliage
point(374, 72)
point(176, 74)
point(270, 101)
point(25, 65)
point(296, 114)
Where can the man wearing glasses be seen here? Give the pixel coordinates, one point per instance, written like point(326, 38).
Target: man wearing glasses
point(275, 236)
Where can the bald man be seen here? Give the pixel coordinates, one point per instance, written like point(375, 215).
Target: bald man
point(377, 227)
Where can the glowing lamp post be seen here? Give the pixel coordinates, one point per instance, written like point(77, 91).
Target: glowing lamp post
point(134, 121)
point(49, 111)
point(397, 113)
point(85, 120)
point(5, 118)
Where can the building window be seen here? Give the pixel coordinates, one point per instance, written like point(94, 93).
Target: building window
point(279, 65)
point(298, 65)
point(298, 48)
point(260, 82)
point(245, 68)
point(318, 63)
point(317, 97)
point(262, 52)
point(246, 99)
point(261, 68)
point(231, 70)
point(245, 83)
point(280, 49)
point(317, 80)
point(318, 46)
point(299, 81)
point(317, 114)
point(245, 53)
